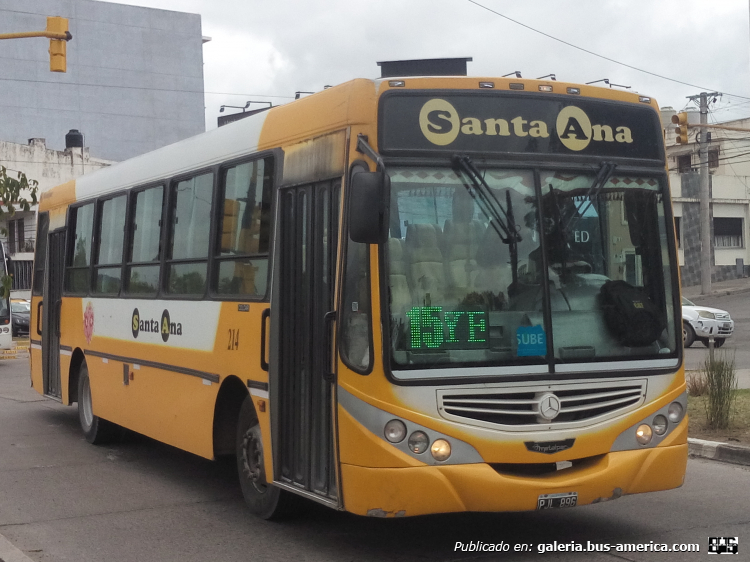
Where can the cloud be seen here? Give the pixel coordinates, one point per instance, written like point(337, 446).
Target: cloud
point(277, 48)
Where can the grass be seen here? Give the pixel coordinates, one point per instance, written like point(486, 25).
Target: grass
point(739, 429)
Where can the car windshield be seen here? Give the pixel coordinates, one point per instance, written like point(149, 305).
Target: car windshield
point(466, 275)
point(20, 306)
point(686, 302)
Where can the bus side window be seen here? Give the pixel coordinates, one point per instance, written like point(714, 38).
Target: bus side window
point(190, 220)
point(241, 265)
point(144, 244)
point(81, 225)
point(111, 229)
point(355, 333)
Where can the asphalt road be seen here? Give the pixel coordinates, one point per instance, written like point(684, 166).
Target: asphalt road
point(62, 499)
point(738, 346)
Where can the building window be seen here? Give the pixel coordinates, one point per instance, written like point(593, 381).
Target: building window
point(678, 231)
point(713, 158)
point(16, 242)
point(728, 233)
point(684, 163)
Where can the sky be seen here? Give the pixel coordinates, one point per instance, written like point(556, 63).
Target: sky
point(267, 51)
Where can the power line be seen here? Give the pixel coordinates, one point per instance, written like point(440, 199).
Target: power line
point(596, 54)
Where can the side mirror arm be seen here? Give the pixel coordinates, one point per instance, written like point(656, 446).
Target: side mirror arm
point(364, 147)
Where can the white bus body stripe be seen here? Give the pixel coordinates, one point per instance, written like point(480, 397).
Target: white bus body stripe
point(193, 324)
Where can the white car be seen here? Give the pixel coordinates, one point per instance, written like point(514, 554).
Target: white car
point(699, 322)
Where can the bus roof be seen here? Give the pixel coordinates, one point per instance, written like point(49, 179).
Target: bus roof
point(326, 111)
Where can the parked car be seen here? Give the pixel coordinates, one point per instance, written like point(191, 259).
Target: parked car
point(21, 311)
point(699, 322)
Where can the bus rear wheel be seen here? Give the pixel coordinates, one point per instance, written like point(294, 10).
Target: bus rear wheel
point(96, 430)
point(263, 499)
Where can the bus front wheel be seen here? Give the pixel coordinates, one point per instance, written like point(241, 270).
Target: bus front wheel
point(96, 430)
point(263, 499)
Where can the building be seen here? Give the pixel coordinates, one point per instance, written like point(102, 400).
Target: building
point(729, 178)
point(49, 168)
point(134, 79)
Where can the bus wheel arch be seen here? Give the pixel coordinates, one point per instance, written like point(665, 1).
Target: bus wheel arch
point(226, 414)
point(76, 360)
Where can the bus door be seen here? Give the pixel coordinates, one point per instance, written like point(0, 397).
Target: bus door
point(302, 311)
point(51, 313)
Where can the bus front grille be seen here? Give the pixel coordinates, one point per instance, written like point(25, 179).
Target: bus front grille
point(552, 405)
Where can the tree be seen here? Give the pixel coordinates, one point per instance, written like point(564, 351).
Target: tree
point(15, 193)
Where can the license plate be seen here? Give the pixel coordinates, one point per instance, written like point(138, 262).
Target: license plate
point(727, 325)
point(551, 501)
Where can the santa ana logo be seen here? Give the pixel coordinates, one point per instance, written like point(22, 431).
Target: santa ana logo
point(441, 124)
point(169, 328)
point(139, 325)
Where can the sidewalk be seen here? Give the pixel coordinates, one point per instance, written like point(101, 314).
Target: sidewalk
point(730, 287)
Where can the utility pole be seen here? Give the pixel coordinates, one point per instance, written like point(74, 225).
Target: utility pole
point(705, 214)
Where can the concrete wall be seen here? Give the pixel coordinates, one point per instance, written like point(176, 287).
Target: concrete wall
point(134, 80)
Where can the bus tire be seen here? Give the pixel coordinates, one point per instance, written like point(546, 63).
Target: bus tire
point(263, 499)
point(96, 430)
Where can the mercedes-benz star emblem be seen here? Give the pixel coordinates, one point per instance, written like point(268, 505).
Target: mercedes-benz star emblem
point(549, 406)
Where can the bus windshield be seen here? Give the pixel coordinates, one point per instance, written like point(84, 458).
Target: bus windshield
point(466, 271)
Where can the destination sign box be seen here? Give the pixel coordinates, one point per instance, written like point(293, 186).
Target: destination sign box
point(529, 124)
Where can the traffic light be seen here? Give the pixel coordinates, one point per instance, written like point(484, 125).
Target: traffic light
point(681, 120)
point(57, 47)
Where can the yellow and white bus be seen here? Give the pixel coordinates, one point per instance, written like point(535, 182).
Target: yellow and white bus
point(395, 297)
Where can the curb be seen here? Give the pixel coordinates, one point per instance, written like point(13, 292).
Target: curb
point(714, 450)
point(718, 293)
point(9, 553)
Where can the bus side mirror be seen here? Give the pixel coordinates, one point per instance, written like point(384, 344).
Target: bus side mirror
point(368, 207)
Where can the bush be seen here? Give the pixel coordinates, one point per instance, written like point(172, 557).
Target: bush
point(697, 384)
point(721, 384)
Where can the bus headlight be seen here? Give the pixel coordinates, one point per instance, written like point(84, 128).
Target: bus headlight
point(395, 431)
point(660, 425)
point(418, 442)
point(440, 450)
point(643, 434)
point(675, 412)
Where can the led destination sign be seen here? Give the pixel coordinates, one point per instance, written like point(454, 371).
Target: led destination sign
point(518, 124)
point(432, 328)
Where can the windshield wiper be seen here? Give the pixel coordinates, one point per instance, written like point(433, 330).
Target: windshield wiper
point(606, 169)
point(502, 220)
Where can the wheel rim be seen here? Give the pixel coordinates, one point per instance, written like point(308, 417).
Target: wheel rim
point(84, 403)
point(252, 458)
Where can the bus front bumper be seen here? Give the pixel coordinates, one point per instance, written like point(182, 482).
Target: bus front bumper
point(397, 492)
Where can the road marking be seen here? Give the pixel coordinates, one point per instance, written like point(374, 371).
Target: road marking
point(9, 553)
